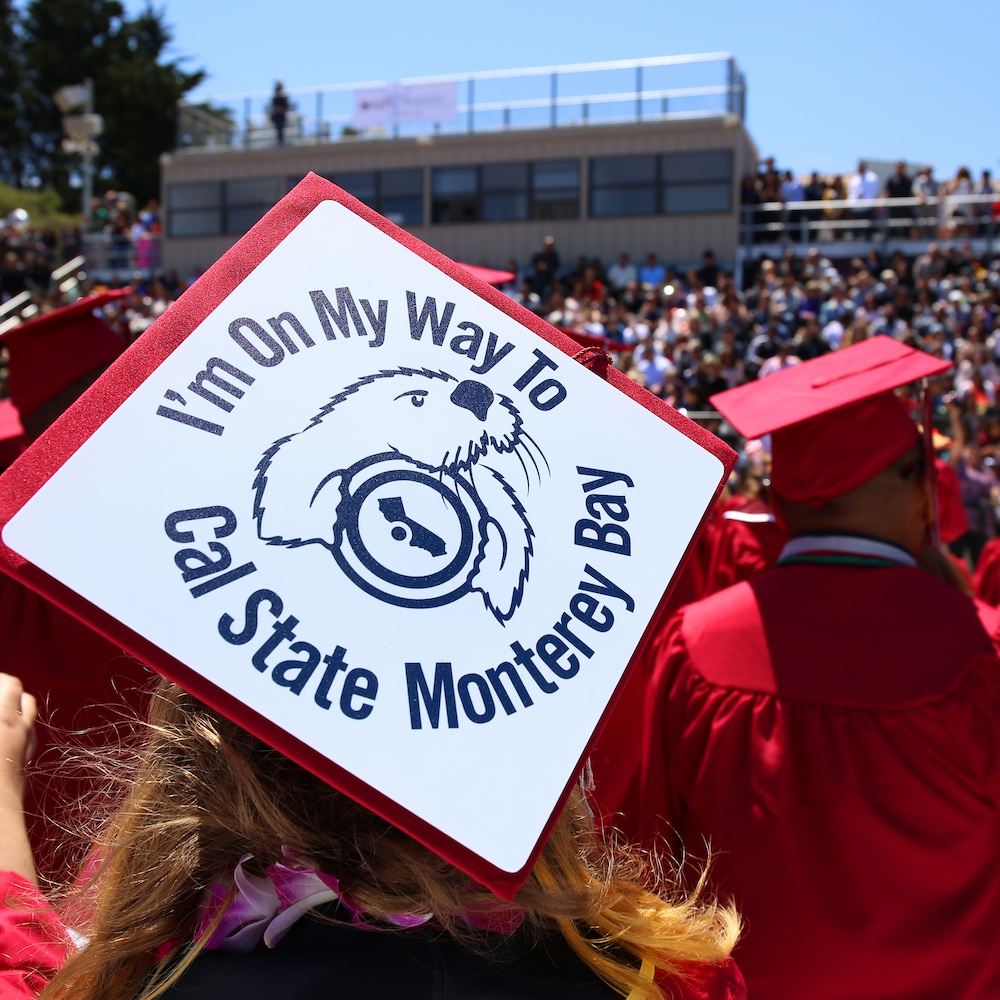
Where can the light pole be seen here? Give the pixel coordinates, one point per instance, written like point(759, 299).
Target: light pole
point(81, 130)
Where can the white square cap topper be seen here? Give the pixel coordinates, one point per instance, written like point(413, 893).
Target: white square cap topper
point(367, 506)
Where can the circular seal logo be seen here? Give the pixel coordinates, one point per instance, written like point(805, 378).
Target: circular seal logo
point(408, 537)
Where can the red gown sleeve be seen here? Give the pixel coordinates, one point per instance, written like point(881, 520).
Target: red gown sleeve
point(657, 806)
point(987, 579)
point(33, 941)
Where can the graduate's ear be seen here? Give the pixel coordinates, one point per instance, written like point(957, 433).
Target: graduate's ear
point(295, 503)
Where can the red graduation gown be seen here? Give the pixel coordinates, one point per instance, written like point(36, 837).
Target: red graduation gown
point(987, 579)
point(835, 732)
point(745, 542)
point(83, 684)
point(951, 512)
point(616, 756)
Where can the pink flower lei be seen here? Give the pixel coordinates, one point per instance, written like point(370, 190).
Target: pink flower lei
point(263, 909)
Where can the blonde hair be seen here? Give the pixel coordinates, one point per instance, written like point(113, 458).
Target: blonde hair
point(206, 792)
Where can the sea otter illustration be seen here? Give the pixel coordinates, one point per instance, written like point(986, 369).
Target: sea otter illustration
point(410, 477)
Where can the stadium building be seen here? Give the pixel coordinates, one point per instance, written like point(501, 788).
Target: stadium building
point(639, 156)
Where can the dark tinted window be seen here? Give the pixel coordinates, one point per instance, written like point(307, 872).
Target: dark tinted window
point(253, 191)
point(555, 174)
point(220, 207)
point(696, 167)
point(623, 170)
point(670, 184)
point(361, 184)
point(504, 177)
point(454, 180)
point(401, 182)
point(208, 195)
point(507, 192)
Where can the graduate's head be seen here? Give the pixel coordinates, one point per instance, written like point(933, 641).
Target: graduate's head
point(842, 442)
point(895, 505)
point(205, 793)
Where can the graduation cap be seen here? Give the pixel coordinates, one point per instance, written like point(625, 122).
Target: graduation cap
point(346, 442)
point(12, 436)
point(835, 421)
point(51, 352)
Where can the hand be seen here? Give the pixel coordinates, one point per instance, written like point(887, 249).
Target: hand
point(18, 738)
point(17, 743)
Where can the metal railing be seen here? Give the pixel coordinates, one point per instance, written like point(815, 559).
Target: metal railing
point(895, 221)
point(25, 305)
point(660, 88)
point(111, 255)
point(105, 257)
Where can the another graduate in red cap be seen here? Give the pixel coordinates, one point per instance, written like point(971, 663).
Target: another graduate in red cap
point(832, 726)
point(82, 680)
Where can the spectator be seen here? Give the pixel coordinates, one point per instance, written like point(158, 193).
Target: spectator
point(621, 273)
point(863, 186)
point(900, 185)
point(652, 274)
point(984, 187)
point(808, 344)
point(926, 188)
point(544, 265)
point(832, 216)
point(708, 273)
point(961, 214)
point(782, 358)
point(279, 110)
point(792, 192)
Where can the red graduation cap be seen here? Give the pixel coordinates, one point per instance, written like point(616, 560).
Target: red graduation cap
point(488, 274)
point(49, 353)
point(835, 422)
point(12, 437)
point(483, 789)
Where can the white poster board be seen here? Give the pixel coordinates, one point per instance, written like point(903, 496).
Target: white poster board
point(388, 518)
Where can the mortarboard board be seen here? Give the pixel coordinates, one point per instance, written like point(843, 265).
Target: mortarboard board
point(441, 591)
point(834, 421)
point(49, 353)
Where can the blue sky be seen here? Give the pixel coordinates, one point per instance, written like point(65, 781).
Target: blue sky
point(827, 82)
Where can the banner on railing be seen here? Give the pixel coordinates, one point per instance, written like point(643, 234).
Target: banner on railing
point(401, 104)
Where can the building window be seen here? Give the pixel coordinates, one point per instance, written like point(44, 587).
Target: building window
point(455, 194)
point(217, 208)
point(396, 194)
point(555, 189)
point(671, 184)
point(503, 192)
point(696, 182)
point(195, 209)
point(247, 201)
point(506, 192)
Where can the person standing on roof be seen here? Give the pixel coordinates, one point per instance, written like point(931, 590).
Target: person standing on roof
point(279, 110)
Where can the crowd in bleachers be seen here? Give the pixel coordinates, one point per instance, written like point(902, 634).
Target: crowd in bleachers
point(687, 335)
point(117, 236)
point(683, 333)
point(953, 208)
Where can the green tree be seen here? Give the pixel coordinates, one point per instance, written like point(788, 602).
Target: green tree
point(11, 86)
point(136, 90)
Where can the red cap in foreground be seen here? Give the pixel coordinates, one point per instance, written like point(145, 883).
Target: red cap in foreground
point(835, 422)
point(49, 353)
